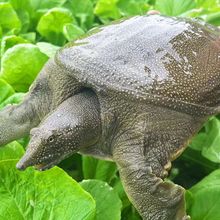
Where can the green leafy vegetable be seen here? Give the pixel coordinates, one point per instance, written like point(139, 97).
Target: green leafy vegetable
point(208, 142)
point(10, 41)
point(21, 64)
point(98, 169)
point(9, 20)
point(30, 36)
point(0, 32)
point(204, 198)
point(72, 32)
point(174, 7)
point(11, 151)
point(47, 48)
point(213, 18)
point(83, 12)
point(5, 90)
point(108, 204)
point(45, 4)
point(207, 4)
point(107, 9)
point(51, 24)
point(132, 7)
point(42, 195)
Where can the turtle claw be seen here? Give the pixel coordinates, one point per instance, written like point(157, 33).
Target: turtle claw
point(187, 217)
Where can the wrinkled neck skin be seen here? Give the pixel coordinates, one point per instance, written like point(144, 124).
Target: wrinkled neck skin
point(74, 125)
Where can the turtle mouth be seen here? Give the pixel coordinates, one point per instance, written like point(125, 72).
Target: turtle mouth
point(23, 164)
point(45, 166)
point(45, 163)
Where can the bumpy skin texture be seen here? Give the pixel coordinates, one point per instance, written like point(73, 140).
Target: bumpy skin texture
point(151, 82)
point(71, 125)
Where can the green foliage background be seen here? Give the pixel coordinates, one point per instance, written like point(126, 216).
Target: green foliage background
point(31, 31)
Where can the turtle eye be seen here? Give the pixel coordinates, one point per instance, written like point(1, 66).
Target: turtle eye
point(51, 139)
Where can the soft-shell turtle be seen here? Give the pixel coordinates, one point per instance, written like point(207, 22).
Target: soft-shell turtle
point(133, 92)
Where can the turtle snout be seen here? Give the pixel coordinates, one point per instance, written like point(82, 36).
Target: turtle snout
point(23, 163)
point(39, 156)
point(32, 156)
point(29, 159)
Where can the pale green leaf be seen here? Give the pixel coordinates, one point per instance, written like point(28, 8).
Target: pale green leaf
point(10, 41)
point(47, 48)
point(83, 12)
point(211, 148)
point(132, 7)
point(45, 195)
point(30, 36)
point(8, 18)
point(108, 204)
point(5, 90)
point(204, 198)
point(21, 64)
point(45, 4)
point(72, 32)
point(11, 151)
point(174, 7)
point(107, 9)
point(51, 25)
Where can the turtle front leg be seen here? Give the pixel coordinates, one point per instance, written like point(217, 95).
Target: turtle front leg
point(17, 120)
point(52, 86)
point(152, 197)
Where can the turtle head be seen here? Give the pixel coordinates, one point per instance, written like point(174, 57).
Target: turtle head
point(47, 148)
point(73, 126)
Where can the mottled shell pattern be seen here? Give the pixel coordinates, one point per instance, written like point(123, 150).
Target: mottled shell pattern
point(174, 62)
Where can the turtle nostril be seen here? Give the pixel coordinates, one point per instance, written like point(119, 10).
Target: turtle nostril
point(24, 162)
point(20, 166)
